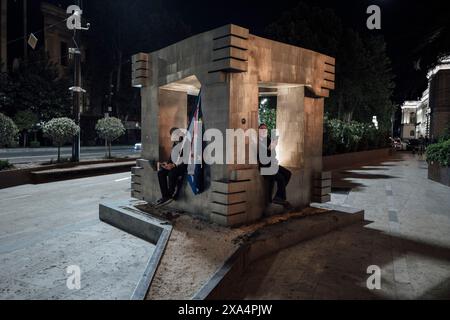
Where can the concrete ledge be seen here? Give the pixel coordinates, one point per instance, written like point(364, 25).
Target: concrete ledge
point(340, 161)
point(271, 239)
point(18, 177)
point(80, 172)
point(126, 217)
point(439, 174)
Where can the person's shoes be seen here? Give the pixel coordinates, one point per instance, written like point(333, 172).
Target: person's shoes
point(162, 202)
point(282, 202)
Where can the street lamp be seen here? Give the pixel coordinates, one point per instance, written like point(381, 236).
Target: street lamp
point(74, 23)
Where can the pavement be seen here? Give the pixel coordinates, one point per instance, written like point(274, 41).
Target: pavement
point(33, 155)
point(47, 228)
point(406, 235)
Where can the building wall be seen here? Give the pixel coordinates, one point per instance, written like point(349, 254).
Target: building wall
point(440, 102)
point(423, 118)
point(3, 34)
point(57, 39)
point(409, 118)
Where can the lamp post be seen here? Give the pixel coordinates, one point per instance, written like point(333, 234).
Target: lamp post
point(74, 23)
point(25, 31)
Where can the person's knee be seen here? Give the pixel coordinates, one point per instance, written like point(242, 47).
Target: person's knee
point(162, 173)
point(288, 175)
point(280, 179)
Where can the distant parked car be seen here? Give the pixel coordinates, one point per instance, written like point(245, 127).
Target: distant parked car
point(138, 147)
point(413, 145)
point(399, 145)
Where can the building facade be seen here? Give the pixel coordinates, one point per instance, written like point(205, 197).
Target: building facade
point(430, 115)
point(47, 22)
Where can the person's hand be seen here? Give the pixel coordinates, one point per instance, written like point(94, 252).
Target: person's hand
point(169, 166)
point(163, 165)
point(273, 145)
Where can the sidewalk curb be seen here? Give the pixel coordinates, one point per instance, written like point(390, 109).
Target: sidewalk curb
point(18, 177)
point(148, 228)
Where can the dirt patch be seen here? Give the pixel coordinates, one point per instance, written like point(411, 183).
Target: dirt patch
point(197, 249)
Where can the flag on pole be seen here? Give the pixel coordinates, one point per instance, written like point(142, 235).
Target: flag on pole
point(195, 167)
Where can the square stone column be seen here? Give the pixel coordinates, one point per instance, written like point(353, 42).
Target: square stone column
point(291, 126)
point(172, 114)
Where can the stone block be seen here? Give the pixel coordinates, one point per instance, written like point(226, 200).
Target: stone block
point(242, 175)
point(328, 84)
point(136, 187)
point(228, 209)
point(136, 179)
point(216, 78)
point(138, 57)
point(230, 41)
point(330, 69)
point(229, 186)
point(230, 52)
point(231, 29)
point(320, 192)
point(329, 76)
point(326, 175)
point(229, 198)
point(137, 195)
point(229, 65)
point(229, 221)
point(322, 183)
point(322, 199)
point(137, 170)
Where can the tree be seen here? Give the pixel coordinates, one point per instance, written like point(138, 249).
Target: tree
point(123, 28)
point(25, 121)
point(364, 79)
point(109, 129)
point(8, 131)
point(36, 86)
point(268, 113)
point(61, 131)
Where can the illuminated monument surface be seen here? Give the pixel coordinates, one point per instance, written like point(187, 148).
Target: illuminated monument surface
point(233, 69)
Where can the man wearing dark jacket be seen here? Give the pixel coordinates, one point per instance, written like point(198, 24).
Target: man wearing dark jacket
point(170, 177)
point(283, 175)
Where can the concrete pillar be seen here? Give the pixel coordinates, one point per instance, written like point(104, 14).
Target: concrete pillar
point(243, 110)
point(150, 123)
point(4, 34)
point(313, 133)
point(290, 124)
point(216, 106)
point(172, 114)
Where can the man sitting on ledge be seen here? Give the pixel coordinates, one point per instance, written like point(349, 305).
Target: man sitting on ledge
point(170, 177)
point(281, 177)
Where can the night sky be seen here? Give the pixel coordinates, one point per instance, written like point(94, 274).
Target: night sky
point(406, 26)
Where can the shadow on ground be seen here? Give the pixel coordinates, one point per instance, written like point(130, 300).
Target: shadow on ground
point(345, 178)
point(335, 267)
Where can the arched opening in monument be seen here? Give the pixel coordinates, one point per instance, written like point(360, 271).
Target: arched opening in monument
point(176, 102)
point(281, 107)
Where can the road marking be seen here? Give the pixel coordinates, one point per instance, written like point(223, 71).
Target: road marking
point(119, 180)
point(401, 272)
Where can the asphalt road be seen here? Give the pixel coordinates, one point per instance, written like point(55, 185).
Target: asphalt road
point(29, 155)
point(46, 228)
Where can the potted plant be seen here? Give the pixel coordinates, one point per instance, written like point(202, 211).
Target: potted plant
point(438, 157)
